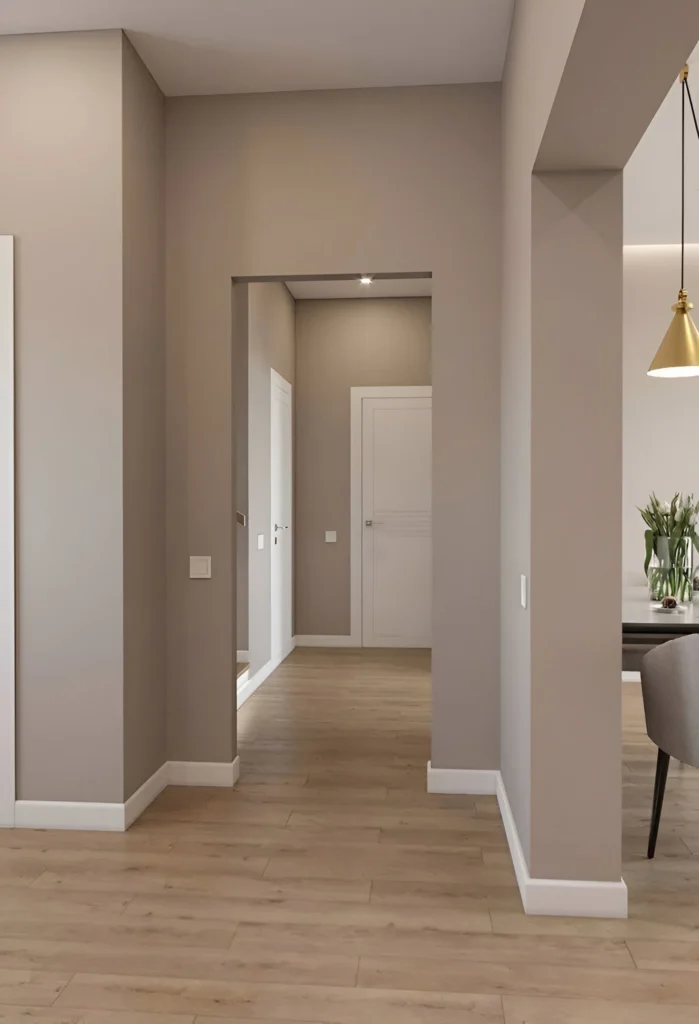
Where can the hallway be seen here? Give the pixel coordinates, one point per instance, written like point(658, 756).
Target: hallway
point(329, 888)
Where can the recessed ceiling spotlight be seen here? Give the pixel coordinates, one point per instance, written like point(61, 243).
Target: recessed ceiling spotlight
point(365, 279)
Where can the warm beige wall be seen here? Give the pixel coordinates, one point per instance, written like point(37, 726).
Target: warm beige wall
point(383, 180)
point(143, 162)
point(270, 347)
point(660, 416)
point(340, 344)
point(61, 196)
point(532, 76)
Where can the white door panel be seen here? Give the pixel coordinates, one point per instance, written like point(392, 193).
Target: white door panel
point(397, 518)
point(280, 528)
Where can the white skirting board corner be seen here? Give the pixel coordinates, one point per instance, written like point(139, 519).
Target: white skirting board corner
point(552, 897)
point(327, 641)
point(461, 780)
point(630, 677)
point(203, 773)
point(247, 684)
point(242, 656)
point(146, 794)
point(548, 897)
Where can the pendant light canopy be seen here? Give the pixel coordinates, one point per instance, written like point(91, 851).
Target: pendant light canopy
point(678, 355)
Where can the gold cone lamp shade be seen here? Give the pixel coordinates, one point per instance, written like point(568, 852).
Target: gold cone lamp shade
point(678, 355)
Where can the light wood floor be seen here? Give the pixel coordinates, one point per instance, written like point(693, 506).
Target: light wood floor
point(330, 889)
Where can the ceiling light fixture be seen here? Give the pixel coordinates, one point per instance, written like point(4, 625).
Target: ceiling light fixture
point(365, 279)
point(678, 355)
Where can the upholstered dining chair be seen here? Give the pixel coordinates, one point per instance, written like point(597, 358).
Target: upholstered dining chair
point(670, 684)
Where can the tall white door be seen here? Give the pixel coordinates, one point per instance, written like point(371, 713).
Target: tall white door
point(281, 504)
point(397, 522)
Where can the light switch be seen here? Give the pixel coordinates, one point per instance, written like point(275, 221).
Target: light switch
point(200, 567)
point(523, 590)
point(331, 536)
point(260, 541)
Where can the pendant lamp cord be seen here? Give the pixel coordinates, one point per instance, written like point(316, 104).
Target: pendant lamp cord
point(686, 94)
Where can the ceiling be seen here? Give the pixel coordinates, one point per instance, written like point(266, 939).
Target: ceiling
point(382, 289)
point(652, 175)
point(199, 47)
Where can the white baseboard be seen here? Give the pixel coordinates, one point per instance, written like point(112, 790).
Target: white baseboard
point(146, 794)
point(247, 684)
point(96, 817)
point(242, 656)
point(203, 773)
point(461, 780)
point(553, 897)
point(63, 815)
point(630, 677)
point(327, 641)
point(550, 897)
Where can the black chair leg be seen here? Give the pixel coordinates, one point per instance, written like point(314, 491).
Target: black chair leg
point(658, 794)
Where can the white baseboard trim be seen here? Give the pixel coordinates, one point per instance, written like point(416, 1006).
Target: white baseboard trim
point(553, 897)
point(247, 684)
point(83, 816)
point(146, 794)
point(64, 815)
point(461, 780)
point(549, 897)
point(203, 773)
point(242, 656)
point(630, 677)
point(327, 641)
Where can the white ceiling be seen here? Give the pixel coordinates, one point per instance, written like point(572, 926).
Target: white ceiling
point(354, 290)
point(197, 47)
point(652, 175)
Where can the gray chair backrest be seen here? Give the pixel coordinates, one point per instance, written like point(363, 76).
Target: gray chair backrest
point(670, 683)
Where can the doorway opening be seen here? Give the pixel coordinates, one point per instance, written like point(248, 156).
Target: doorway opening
point(332, 380)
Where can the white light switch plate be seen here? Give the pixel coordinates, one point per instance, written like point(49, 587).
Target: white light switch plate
point(523, 595)
point(331, 536)
point(260, 541)
point(200, 567)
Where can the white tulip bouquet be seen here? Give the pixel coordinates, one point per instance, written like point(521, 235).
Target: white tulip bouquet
point(671, 536)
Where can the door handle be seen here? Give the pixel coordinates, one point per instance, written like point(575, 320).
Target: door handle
point(368, 522)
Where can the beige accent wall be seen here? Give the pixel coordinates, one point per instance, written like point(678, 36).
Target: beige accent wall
point(143, 162)
point(532, 76)
point(660, 416)
point(61, 196)
point(575, 487)
point(271, 346)
point(341, 344)
point(81, 188)
point(377, 180)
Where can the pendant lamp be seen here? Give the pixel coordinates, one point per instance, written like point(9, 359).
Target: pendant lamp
point(678, 355)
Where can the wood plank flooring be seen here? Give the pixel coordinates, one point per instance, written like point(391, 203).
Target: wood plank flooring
point(329, 888)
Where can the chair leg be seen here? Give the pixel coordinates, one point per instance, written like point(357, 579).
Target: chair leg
point(658, 794)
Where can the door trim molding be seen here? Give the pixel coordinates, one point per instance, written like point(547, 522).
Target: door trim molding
point(357, 396)
point(7, 533)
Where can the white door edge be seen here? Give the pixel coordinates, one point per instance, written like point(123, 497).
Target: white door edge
point(357, 396)
point(280, 383)
point(7, 534)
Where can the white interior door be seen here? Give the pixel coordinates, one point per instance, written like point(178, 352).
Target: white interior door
point(7, 537)
point(281, 505)
point(397, 522)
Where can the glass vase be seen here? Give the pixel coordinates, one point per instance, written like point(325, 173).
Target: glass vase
point(671, 569)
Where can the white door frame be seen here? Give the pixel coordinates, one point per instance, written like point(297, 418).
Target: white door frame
point(357, 396)
point(7, 534)
point(277, 381)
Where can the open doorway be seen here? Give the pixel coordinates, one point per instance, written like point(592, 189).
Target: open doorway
point(334, 466)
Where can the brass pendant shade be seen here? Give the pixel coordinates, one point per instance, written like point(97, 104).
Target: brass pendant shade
point(678, 355)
